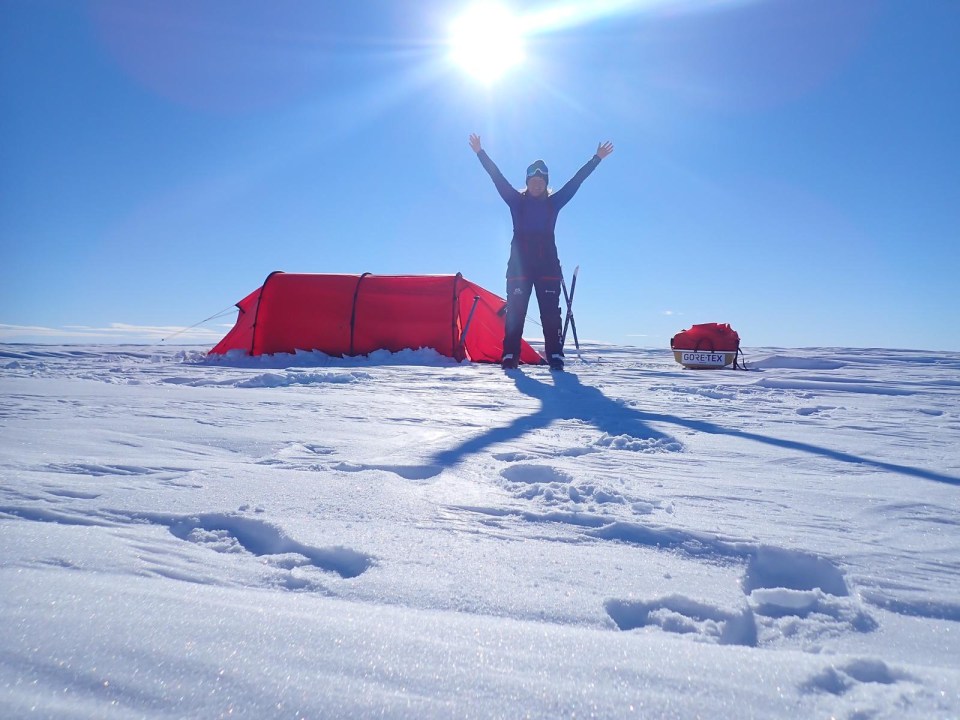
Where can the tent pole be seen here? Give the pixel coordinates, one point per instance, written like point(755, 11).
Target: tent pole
point(353, 310)
point(466, 328)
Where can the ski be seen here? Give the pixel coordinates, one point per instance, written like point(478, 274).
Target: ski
point(569, 322)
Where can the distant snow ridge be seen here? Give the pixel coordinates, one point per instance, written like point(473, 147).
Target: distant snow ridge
point(276, 380)
point(786, 362)
point(821, 386)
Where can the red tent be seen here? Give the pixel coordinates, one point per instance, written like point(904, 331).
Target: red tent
point(357, 314)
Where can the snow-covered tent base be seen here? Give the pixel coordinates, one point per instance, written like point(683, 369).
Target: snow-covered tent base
point(346, 315)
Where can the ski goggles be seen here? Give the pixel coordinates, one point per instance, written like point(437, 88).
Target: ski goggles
point(538, 169)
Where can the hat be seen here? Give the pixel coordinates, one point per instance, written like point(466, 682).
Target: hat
point(538, 167)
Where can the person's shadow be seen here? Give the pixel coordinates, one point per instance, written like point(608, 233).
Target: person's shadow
point(567, 399)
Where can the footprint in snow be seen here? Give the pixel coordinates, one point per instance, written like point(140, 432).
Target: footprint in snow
point(238, 533)
point(407, 472)
point(802, 598)
point(842, 678)
point(513, 456)
point(648, 446)
point(557, 487)
point(681, 615)
point(793, 598)
point(535, 474)
point(773, 567)
point(297, 456)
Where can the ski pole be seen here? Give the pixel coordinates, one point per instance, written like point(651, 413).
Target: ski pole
point(569, 300)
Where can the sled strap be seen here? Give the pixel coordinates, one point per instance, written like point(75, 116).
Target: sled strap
point(741, 365)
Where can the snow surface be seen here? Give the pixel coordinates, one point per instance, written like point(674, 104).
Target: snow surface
point(404, 536)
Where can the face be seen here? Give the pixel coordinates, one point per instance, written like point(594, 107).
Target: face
point(536, 185)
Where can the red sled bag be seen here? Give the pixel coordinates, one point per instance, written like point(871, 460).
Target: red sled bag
point(709, 346)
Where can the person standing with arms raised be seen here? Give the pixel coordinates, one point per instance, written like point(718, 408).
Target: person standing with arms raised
point(534, 263)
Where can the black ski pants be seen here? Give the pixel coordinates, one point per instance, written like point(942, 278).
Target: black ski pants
point(518, 298)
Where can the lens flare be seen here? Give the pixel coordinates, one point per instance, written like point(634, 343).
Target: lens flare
point(487, 41)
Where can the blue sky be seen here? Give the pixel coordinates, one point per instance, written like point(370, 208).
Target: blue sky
point(791, 167)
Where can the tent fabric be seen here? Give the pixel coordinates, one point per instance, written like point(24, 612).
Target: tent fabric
point(357, 314)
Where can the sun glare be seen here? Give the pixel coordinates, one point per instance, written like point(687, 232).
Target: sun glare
point(486, 41)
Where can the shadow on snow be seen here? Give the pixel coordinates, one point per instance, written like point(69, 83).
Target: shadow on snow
point(567, 399)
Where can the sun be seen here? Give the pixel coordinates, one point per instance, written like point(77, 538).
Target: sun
point(486, 41)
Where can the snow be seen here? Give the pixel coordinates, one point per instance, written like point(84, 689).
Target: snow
point(407, 537)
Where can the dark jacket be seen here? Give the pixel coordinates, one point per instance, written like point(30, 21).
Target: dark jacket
point(533, 250)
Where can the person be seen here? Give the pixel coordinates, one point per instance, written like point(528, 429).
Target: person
point(534, 263)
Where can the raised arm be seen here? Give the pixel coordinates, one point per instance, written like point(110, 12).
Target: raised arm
point(562, 196)
point(509, 193)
